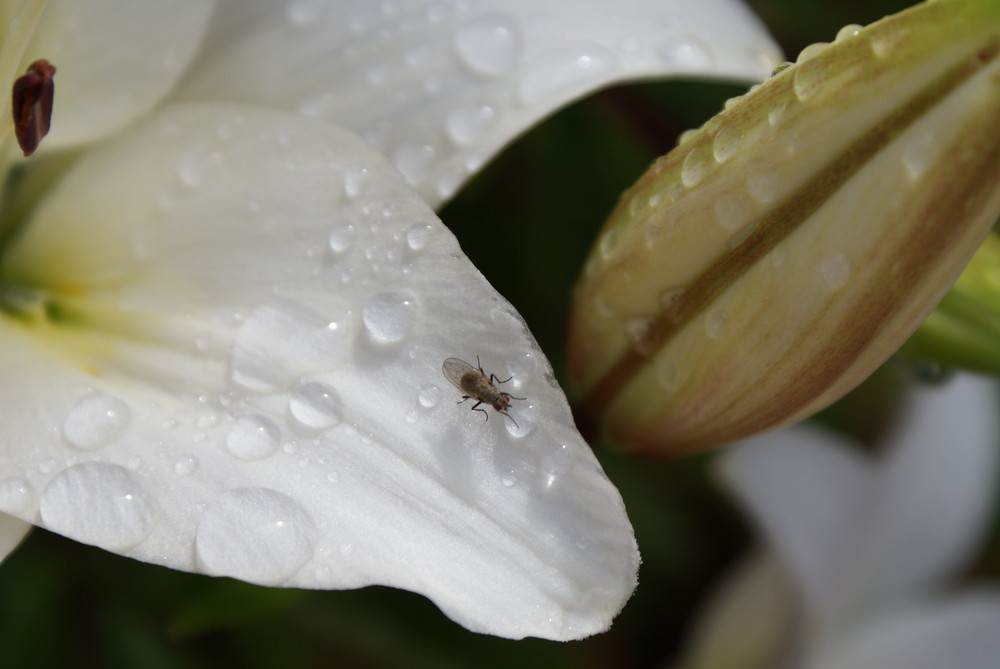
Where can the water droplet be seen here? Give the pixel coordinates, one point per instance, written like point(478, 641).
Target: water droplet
point(195, 165)
point(185, 465)
point(341, 239)
point(429, 396)
point(418, 236)
point(304, 12)
point(256, 535)
point(886, 40)
point(97, 503)
point(96, 421)
point(318, 106)
point(489, 45)
point(732, 211)
point(727, 141)
point(666, 370)
point(508, 479)
point(608, 243)
point(389, 317)
point(555, 463)
point(15, 495)
point(354, 181)
point(919, 153)
point(809, 76)
point(414, 161)
point(775, 113)
point(687, 52)
point(635, 328)
point(568, 68)
point(253, 437)
point(811, 51)
point(715, 320)
point(847, 32)
point(522, 367)
point(762, 185)
point(695, 167)
point(467, 124)
point(835, 271)
point(315, 405)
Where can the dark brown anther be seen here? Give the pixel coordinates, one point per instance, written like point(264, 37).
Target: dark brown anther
point(32, 105)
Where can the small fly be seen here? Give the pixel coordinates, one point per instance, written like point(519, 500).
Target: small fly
point(476, 385)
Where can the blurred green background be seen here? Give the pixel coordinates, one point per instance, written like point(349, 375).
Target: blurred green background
point(527, 223)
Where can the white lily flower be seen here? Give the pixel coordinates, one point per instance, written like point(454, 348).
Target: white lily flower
point(860, 551)
point(224, 326)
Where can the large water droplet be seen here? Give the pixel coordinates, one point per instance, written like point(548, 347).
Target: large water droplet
point(732, 211)
point(415, 162)
point(253, 437)
point(726, 142)
point(97, 503)
point(341, 239)
point(185, 465)
point(489, 45)
point(809, 76)
point(715, 321)
point(389, 317)
point(257, 535)
point(847, 32)
point(96, 421)
point(695, 167)
point(418, 236)
point(555, 463)
point(570, 67)
point(762, 185)
point(429, 396)
point(15, 495)
point(315, 405)
point(467, 124)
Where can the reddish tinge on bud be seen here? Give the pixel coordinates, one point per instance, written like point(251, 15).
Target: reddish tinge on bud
point(783, 251)
point(32, 105)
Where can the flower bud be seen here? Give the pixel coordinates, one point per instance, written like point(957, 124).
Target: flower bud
point(774, 259)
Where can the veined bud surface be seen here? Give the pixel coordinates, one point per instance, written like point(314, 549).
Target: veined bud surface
point(784, 250)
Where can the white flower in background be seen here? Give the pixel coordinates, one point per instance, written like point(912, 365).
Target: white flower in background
point(859, 551)
point(223, 325)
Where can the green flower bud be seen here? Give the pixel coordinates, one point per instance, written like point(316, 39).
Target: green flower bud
point(774, 259)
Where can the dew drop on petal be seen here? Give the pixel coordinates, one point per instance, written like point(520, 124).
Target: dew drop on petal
point(354, 181)
point(555, 463)
point(96, 421)
point(762, 185)
point(315, 405)
point(488, 45)
point(429, 396)
point(847, 31)
point(715, 320)
point(97, 503)
point(726, 143)
point(688, 52)
point(418, 236)
point(15, 495)
point(835, 271)
point(255, 534)
point(568, 68)
point(694, 167)
point(185, 465)
point(341, 239)
point(467, 124)
point(919, 154)
point(389, 317)
point(253, 437)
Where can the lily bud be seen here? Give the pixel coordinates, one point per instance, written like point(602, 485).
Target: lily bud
point(774, 259)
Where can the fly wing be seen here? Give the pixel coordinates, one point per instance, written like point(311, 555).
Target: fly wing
point(454, 369)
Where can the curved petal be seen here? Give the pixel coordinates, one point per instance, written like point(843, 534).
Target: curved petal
point(115, 60)
point(809, 493)
point(12, 531)
point(440, 87)
point(748, 623)
point(960, 632)
point(934, 493)
point(232, 363)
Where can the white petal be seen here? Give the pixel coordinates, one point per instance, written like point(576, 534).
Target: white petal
point(809, 493)
point(114, 60)
point(12, 531)
point(935, 492)
point(749, 622)
point(440, 87)
point(963, 632)
point(262, 394)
